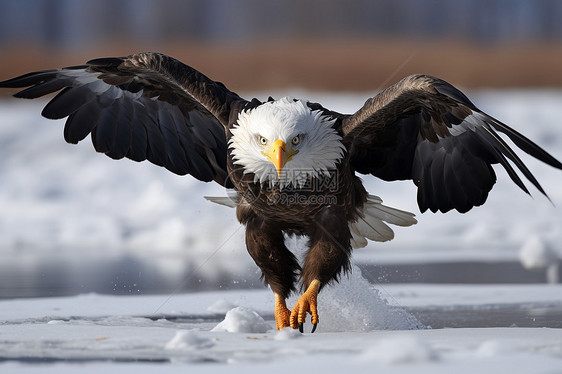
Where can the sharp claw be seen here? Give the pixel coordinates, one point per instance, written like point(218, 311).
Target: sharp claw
point(301, 328)
point(314, 327)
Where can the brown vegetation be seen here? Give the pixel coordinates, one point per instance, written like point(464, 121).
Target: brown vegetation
point(357, 65)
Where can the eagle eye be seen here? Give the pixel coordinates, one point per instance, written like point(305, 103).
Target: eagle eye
point(262, 140)
point(296, 140)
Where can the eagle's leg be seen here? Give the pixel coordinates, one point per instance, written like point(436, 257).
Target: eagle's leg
point(328, 256)
point(266, 244)
point(282, 313)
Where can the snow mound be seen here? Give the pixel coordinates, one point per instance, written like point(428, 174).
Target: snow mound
point(188, 340)
point(286, 334)
point(399, 350)
point(493, 348)
point(354, 305)
point(536, 254)
point(241, 319)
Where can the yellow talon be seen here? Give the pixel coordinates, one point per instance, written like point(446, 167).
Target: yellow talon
point(307, 303)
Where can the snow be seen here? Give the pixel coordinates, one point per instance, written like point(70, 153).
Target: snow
point(536, 254)
point(175, 289)
point(241, 319)
point(354, 305)
point(399, 350)
point(287, 333)
point(188, 340)
point(221, 306)
point(122, 333)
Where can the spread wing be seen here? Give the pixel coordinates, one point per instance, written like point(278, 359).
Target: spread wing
point(424, 129)
point(146, 106)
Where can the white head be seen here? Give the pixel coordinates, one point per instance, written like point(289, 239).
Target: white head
point(285, 141)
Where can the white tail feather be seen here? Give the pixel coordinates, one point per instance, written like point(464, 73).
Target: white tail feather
point(371, 224)
point(357, 241)
point(222, 200)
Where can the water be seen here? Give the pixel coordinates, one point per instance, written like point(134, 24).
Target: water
point(129, 277)
point(515, 315)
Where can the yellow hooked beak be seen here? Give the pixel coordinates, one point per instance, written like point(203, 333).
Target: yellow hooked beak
point(277, 154)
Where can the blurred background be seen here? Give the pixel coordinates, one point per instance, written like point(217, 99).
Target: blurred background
point(313, 44)
point(74, 222)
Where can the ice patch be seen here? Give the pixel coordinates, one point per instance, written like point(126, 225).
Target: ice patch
point(399, 350)
point(188, 340)
point(124, 342)
point(241, 319)
point(56, 322)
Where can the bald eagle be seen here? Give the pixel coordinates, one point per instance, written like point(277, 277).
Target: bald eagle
point(293, 164)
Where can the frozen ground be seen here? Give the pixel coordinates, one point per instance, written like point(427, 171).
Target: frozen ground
point(74, 222)
point(228, 331)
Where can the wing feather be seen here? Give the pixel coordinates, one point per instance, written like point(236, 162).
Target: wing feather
point(424, 129)
point(123, 128)
point(68, 101)
point(43, 89)
point(85, 119)
point(146, 106)
point(139, 138)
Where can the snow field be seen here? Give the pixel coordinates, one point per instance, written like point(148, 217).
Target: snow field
point(96, 332)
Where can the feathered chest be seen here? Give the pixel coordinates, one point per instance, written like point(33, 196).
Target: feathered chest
point(295, 204)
